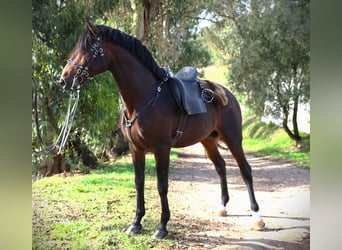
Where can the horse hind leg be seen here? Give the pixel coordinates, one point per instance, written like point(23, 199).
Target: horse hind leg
point(233, 139)
point(211, 146)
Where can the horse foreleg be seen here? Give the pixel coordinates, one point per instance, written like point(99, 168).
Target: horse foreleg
point(138, 157)
point(162, 157)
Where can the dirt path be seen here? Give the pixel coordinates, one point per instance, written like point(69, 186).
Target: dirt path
point(282, 191)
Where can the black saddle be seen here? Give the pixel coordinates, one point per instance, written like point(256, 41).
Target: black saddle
point(187, 91)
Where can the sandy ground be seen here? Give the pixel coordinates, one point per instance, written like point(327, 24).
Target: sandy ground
point(282, 191)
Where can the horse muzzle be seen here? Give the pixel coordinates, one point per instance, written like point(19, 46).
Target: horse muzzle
point(70, 84)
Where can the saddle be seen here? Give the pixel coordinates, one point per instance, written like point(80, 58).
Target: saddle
point(186, 89)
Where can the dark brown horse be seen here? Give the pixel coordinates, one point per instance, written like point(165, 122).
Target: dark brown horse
point(151, 117)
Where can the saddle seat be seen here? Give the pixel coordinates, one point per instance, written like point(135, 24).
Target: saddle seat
point(186, 89)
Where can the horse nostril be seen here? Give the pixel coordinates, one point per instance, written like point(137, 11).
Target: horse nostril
point(62, 82)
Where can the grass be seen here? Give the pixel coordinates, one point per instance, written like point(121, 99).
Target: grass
point(93, 211)
point(216, 73)
point(271, 141)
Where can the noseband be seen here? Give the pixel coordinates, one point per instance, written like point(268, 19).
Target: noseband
point(82, 70)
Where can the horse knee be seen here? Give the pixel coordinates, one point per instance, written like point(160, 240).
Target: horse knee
point(139, 183)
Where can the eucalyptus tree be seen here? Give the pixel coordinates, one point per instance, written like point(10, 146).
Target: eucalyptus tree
point(170, 30)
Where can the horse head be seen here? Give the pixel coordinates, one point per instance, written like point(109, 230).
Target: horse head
point(87, 59)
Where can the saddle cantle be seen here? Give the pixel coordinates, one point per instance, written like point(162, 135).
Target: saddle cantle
point(187, 91)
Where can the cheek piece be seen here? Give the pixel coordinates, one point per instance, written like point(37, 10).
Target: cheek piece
point(82, 70)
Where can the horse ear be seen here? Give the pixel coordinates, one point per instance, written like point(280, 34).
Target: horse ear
point(92, 28)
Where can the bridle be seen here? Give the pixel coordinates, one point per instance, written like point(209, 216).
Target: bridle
point(82, 73)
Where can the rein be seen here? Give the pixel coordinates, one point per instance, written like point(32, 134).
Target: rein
point(67, 124)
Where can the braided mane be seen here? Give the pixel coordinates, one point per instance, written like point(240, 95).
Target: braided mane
point(131, 44)
point(135, 47)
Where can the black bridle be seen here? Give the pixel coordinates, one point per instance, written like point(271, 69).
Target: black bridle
point(82, 73)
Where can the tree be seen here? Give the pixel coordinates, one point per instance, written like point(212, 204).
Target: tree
point(270, 55)
point(172, 35)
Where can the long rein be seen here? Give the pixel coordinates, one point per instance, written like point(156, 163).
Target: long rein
point(67, 124)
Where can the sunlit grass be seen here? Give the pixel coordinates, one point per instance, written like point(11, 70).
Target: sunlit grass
point(271, 141)
point(93, 211)
point(216, 73)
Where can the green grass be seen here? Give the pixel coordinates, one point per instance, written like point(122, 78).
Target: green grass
point(271, 141)
point(93, 211)
point(216, 73)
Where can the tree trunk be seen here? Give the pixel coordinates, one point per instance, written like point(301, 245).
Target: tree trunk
point(149, 9)
point(83, 152)
point(56, 166)
point(295, 105)
point(292, 135)
point(294, 120)
point(121, 144)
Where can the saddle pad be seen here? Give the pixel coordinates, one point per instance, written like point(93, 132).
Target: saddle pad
point(188, 96)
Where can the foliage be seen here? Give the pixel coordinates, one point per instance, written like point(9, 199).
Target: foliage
point(174, 39)
point(56, 26)
point(269, 54)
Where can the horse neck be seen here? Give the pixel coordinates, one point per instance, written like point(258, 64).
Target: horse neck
point(135, 82)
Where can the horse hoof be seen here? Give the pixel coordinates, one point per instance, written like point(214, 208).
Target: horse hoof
point(223, 211)
point(259, 225)
point(134, 229)
point(160, 234)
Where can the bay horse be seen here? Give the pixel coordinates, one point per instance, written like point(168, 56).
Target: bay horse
point(151, 116)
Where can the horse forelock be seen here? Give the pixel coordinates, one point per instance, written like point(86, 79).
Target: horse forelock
point(83, 45)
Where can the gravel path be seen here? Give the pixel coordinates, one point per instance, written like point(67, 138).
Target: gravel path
point(282, 191)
